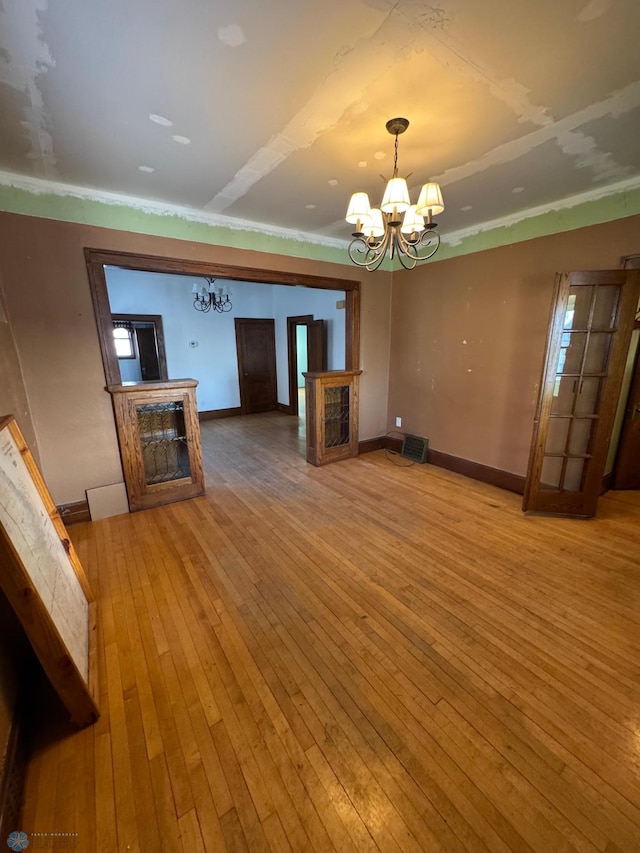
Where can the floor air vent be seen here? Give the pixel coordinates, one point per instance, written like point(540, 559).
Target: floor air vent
point(415, 447)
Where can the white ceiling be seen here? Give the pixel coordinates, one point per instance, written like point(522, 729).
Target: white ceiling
point(275, 111)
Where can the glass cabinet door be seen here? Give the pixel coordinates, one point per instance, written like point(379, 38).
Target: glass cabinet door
point(336, 415)
point(163, 440)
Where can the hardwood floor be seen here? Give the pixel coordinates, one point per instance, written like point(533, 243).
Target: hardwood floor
point(360, 657)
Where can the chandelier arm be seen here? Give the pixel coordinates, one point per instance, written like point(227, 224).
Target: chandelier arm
point(375, 263)
point(429, 235)
point(358, 246)
point(366, 254)
point(428, 240)
point(382, 247)
point(407, 259)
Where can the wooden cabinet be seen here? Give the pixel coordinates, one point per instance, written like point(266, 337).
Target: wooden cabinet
point(159, 437)
point(332, 415)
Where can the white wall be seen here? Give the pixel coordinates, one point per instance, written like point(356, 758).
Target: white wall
point(213, 362)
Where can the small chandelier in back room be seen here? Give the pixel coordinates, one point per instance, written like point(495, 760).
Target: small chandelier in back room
point(208, 297)
point(397, 228)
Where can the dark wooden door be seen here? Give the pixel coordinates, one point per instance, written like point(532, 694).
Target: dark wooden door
point(627, 469)
point(588, 341)
point(148, 352)
point(316, 346)
point(256, 346)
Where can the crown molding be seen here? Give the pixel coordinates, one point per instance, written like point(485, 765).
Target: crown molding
point(54, 200)
point(456, 238)
point(42, 187)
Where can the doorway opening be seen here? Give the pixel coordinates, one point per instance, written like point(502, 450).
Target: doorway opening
point(307, 352)
point(302, 357)
point(98, 261)
point(139, 343)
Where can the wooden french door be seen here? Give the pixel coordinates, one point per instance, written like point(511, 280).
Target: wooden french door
point(256, 345)
point(589, 334)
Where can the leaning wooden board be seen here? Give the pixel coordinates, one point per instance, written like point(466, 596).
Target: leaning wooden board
point(43, 579)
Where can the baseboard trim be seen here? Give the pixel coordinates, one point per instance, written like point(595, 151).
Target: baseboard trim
point(474, 470)
point(214, 414)
point(477, 471)
point(371, 444)
point(72, 513)
point(285, 408)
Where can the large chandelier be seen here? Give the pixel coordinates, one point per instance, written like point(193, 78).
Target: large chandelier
point(208, 297)
point(397, 228)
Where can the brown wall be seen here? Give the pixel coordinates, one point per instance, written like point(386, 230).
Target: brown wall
point(51, 318)
point(13, 395)
point(476, 400)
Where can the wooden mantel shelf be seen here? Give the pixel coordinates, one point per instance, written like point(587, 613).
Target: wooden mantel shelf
point(160, 385)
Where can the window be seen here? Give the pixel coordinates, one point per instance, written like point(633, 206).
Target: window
point(123, 337)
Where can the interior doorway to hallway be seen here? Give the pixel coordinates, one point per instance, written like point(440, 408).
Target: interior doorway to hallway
point(307, 351)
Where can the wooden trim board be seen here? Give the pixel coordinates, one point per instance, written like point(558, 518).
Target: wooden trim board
point(43, 579)
point(72, 513)
point(475, 470)
point(214, 414)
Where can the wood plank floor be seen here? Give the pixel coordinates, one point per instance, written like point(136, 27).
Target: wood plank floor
point(361, 657)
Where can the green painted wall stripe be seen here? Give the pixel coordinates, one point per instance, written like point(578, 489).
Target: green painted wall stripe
point(123, 217)
point(587, 213)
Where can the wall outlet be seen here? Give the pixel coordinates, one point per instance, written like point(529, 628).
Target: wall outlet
point(398, 422)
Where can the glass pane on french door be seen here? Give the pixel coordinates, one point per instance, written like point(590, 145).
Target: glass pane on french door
point(589, 330)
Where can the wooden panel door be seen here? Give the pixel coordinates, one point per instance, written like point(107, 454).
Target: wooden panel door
point(148, 353)
point(256, 345)
point(589, 334)
point(316, 346)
